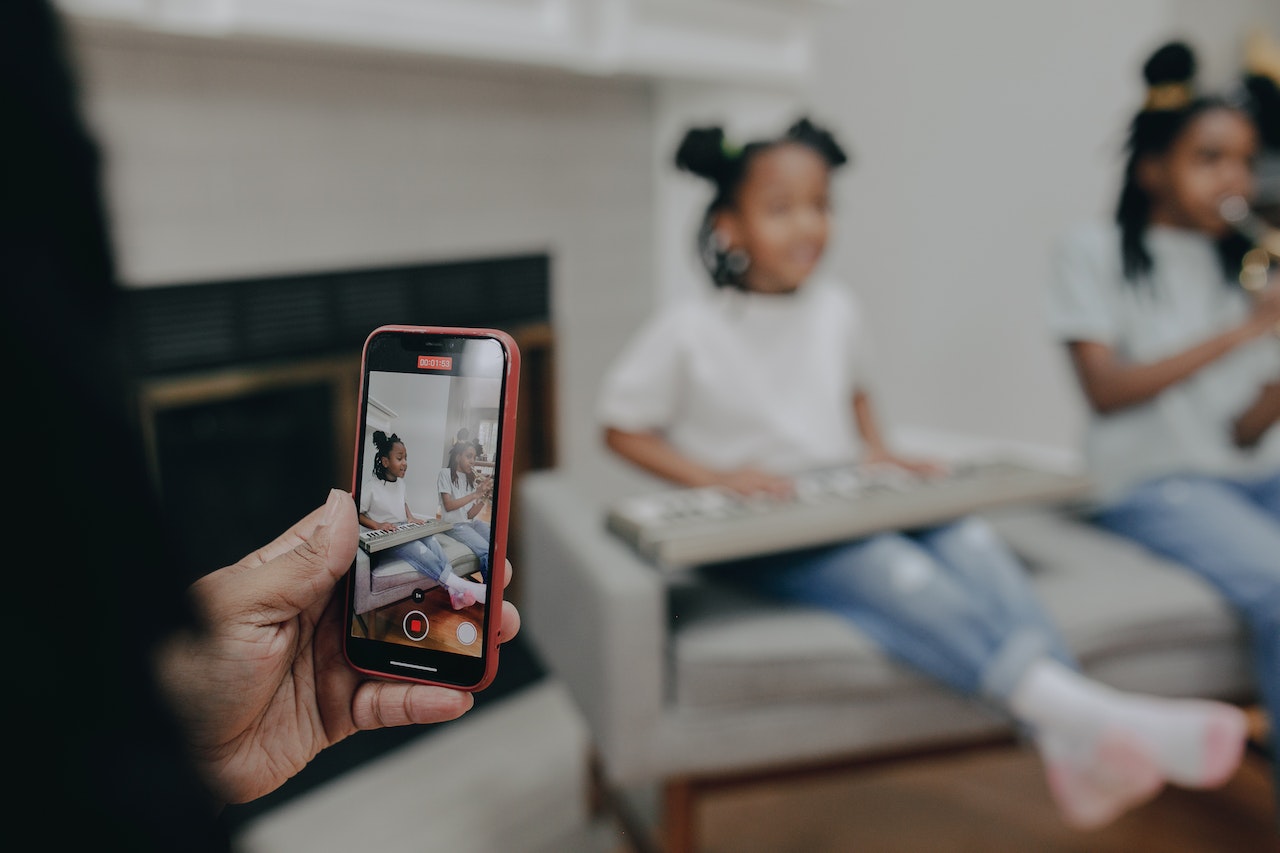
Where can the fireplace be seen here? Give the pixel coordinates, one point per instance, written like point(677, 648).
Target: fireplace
point(249, 386)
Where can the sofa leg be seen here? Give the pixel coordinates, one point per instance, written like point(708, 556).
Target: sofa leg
point(1260, 735)
point(679, 821)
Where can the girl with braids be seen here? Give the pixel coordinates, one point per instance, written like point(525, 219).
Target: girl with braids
point(464, 496)
point(1180, 366)
point(767, 374)
point(384, 506)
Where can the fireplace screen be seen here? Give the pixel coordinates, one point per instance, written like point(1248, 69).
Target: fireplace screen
point(248, 394)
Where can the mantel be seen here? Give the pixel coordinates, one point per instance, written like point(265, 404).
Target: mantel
point(766, 41)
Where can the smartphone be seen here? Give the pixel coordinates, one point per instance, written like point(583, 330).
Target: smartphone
point(432, 485)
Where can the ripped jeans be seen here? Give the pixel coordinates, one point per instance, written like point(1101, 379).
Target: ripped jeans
point(475, 535)
point(427, 557)
point(952, 601)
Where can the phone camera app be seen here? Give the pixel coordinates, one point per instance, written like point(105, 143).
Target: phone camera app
point(425, 499)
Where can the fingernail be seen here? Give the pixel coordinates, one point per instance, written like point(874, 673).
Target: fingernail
point(333, 506)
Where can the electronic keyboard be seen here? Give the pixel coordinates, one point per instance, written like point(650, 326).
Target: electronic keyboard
point(680, 528)
point(372, 541)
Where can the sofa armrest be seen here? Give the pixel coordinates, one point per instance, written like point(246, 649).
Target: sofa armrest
point(596, 613)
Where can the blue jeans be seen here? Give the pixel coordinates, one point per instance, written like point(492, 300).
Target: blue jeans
point(475, 535)
point(1227, 532)
point(952, 601)
point(426, 556)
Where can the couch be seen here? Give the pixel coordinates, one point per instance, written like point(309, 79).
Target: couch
point(687, 684)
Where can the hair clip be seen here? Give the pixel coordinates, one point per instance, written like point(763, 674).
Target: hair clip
point(1168, 96)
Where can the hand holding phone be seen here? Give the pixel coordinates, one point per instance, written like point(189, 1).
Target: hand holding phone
point(422, 601)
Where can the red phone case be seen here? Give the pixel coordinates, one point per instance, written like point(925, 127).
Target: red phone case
point(501, 502)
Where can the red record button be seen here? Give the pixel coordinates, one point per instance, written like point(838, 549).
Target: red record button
point(415, 625)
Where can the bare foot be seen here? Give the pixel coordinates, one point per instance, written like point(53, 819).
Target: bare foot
point(460, 598)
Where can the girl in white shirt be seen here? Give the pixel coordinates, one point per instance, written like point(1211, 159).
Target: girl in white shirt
point(1179, 365)
point(464, 496)
point(768, 376)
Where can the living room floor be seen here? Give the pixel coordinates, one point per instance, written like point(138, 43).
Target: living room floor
point(991, 800)
point(513, 776)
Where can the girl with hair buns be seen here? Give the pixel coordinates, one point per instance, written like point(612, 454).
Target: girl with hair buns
point(385, 506)
point(768, 374)
point(1179, 364)
point(464, 498)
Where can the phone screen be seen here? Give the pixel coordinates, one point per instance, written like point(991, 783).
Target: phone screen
point(428, 488)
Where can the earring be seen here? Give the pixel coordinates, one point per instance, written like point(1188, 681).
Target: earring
point(737, 261)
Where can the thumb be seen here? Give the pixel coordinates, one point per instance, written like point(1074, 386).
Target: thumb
point(295, 572)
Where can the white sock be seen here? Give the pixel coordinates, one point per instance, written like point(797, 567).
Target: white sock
point(1193, 742)
point(1093, 784)
point(476, 589)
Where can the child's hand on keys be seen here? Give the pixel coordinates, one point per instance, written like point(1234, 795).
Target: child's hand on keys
point(751, 482)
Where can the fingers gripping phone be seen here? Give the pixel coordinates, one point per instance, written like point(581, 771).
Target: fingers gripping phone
point(432, 485)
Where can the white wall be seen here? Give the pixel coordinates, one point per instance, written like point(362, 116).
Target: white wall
point(240, 158)
point(419, 403)
point(979, 131)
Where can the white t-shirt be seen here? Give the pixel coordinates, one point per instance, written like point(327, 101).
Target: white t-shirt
point(454, 489)
point(383, 501)
point(1188, 427)
point(735, 378)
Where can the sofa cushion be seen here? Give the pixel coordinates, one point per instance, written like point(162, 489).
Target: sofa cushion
point(1121, 609)
point(1110, 595)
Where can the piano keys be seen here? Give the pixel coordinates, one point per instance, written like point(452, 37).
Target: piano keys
point(372, 541)
point(679, 528)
